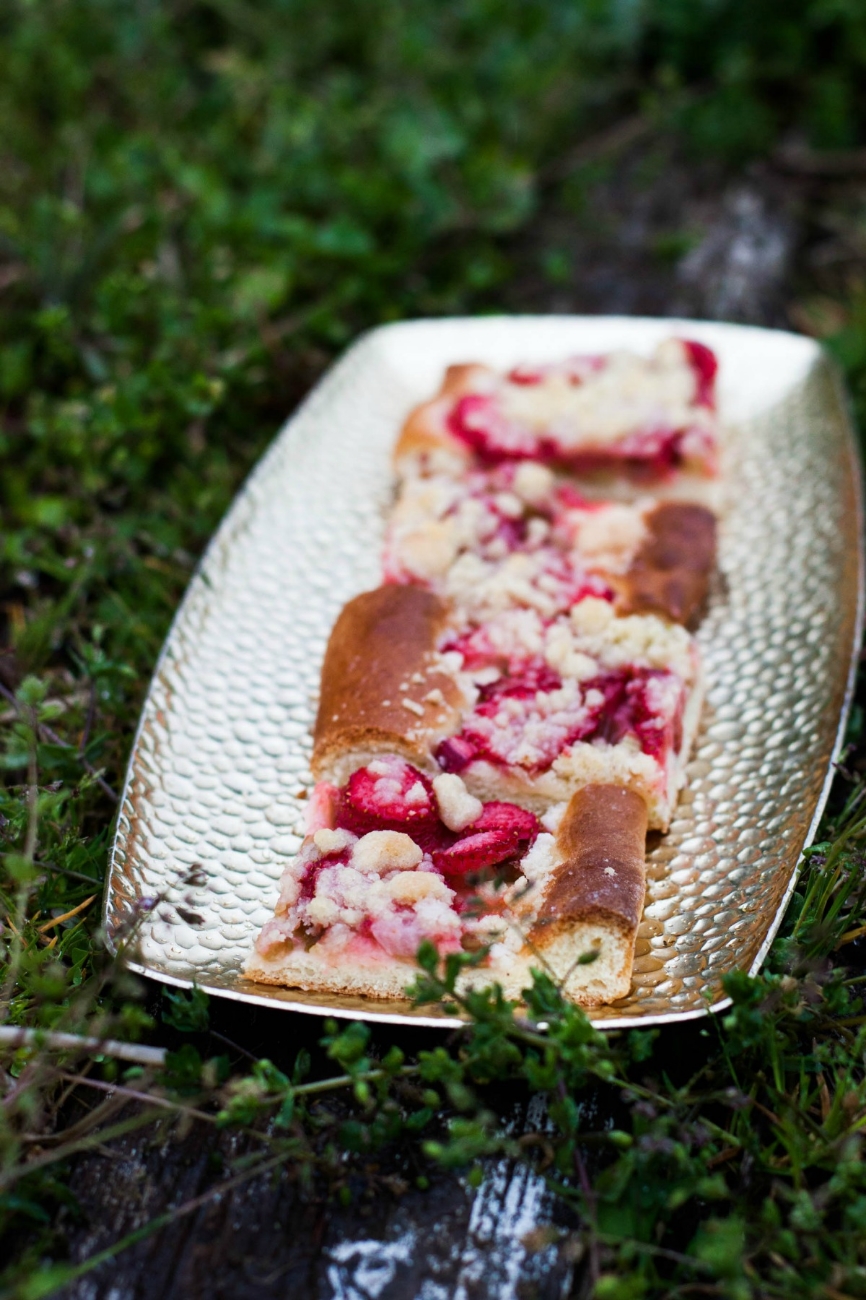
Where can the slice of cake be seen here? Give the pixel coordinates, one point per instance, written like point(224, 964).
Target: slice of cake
point(612, 419)
point(521, 536)
point(522, 707)
point(393, 858)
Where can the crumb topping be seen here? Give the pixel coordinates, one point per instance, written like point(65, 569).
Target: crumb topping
point(457, 807)
point(511, 535)
point(385, 850)
point(332, 841)
point(657, 412)
point(388, 890)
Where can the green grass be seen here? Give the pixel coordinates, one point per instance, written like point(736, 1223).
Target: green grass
point(200, 204)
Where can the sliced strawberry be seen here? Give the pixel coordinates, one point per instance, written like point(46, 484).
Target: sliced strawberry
point(455, 753)
point(394, 791)
point(568, 498)
point(507, 817)
point(477, 420)
point(475, 852)
point(524, 684)
point(393, 797)
point(527, 375)
point(705, 366)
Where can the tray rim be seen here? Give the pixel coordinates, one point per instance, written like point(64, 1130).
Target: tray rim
point(229, 522)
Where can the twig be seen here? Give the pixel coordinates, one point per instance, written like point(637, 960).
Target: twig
point(660, 1252)
point(15, 1037)
point(344, 1080)
point(88, 767)
point(133, 1094)
point(612, 140)
point(67, 871)
point(813, 162)
point(723, 1157)
point(58, 920)
point(92, 1119)
point(236, 1047)
point(94, 1140)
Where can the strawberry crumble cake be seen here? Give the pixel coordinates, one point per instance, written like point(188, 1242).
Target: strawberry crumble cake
point(502, 720)
point(617, 417)
point(438, 865)
point(519, 535)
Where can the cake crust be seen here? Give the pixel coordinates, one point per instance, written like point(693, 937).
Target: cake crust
point(602, 844)
point(671, 570)
point(425, 441)
point(587, 923)
point(381, 688)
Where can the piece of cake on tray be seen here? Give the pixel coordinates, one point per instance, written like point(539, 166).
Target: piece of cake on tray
point(523, 708)
point(615, 420)
point(503, 719)
point(518, 534)
point(399, 859)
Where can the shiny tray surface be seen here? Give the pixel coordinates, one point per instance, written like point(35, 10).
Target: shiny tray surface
point(214, 797)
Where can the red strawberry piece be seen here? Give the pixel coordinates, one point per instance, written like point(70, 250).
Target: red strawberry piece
point(507, 817)
point(476, 420)
point(568, 498)
point(398, 798)
point(524, 684)
point(703, 362)
point(526, 375)
point(322, 808)
point(455, 753)
point(390, 789)
point(475, 852)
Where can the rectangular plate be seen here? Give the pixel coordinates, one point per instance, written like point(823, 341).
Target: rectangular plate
point(219, 769)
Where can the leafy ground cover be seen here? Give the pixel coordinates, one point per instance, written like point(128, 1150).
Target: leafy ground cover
point(200, 203)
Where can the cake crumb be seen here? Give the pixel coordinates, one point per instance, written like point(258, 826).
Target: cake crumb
point(411, 886)
point(457, 807)
point(328, 841)
point(385, 851)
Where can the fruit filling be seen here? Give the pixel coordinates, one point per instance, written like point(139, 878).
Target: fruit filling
point(510, 535)
point(646, 417)
point(393, 858)
point(528, 719)
point(588, 696)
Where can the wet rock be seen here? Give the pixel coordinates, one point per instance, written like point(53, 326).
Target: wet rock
point(739, 269)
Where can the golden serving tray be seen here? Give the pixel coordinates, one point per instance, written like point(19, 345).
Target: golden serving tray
point(213, 803)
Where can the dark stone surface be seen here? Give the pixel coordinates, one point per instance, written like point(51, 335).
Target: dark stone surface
point(661, 235)
point(266, 1240)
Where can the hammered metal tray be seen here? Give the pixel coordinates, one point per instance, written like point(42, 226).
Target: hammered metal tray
point(214, 795)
